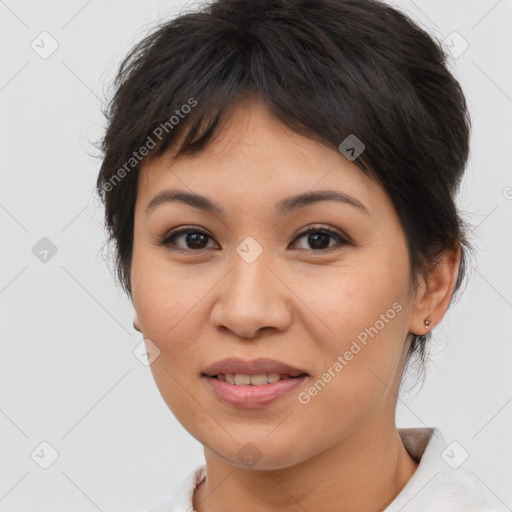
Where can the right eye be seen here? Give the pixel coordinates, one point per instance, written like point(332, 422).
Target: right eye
point(193, 239)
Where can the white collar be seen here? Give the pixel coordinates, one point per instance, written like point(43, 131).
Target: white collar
point(440, 483)
point(436, 486)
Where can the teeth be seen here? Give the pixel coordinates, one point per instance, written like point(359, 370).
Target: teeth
point(255, 380)
point(242, 379)
point(258, 380)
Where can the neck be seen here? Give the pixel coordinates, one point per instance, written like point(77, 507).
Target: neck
point(364, 471)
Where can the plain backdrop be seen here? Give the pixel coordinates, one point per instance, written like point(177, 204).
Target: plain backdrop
point(68, 375)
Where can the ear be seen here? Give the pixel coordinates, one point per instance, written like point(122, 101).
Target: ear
point(434, 293)
point(136, 325)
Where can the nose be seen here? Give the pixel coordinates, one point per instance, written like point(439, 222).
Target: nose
point(252, 298)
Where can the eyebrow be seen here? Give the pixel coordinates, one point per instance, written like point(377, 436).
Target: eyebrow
point(283, 207)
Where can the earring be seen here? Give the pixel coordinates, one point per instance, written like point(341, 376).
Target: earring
point(427, 323)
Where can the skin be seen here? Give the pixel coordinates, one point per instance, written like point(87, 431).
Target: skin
point(296, 302)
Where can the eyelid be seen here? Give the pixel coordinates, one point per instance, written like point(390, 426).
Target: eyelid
point(324, 228)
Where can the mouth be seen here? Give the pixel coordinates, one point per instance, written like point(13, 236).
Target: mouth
point(251, 396)
point(239, 371)
point(240, 379)
point(252, 384)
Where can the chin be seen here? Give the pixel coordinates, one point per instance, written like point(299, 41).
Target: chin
point(258, 455)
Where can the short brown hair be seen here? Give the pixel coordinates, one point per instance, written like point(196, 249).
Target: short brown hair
point(326, 69)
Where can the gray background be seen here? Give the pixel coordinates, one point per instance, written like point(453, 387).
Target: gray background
point(68, 375)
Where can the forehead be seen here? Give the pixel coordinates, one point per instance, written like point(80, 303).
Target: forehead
point(255, 155)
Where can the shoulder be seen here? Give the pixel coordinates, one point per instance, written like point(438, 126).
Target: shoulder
point(440, 483)
point(180, 498)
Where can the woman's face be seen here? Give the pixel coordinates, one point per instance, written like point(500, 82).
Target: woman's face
point(247, 283)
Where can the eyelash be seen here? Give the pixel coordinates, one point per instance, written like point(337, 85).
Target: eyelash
point(168, 241)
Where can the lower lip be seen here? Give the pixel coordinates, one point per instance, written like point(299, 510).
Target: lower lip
point(250, 396)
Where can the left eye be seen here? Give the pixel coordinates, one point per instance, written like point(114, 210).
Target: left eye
point(194, 239)
point(318, 238)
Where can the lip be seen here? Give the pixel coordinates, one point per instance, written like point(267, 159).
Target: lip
point(249, 396)
point(253, 367)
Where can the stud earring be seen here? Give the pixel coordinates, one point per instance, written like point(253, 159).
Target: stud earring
point(427, 323)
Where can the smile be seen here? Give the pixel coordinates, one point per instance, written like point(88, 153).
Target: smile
point(241, 379)
point(252, 391)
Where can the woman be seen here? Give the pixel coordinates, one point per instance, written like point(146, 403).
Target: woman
point(279, 180)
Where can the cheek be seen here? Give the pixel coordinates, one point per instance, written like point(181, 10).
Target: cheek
point(167, 304)
point(166, 297)
point(364, 313)
point(359, 300)
point(359, 365)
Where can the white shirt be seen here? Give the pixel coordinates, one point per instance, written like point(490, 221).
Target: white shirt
point(439, 484)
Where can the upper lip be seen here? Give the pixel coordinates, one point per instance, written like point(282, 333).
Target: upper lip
point(233, 366)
